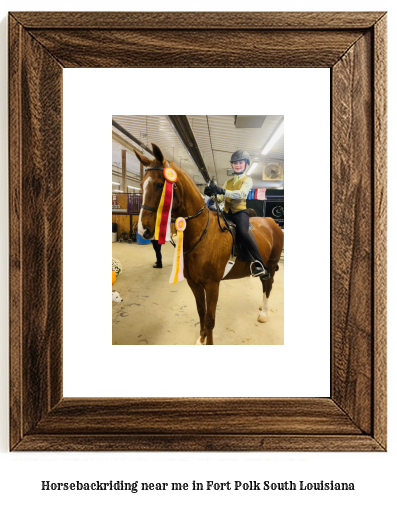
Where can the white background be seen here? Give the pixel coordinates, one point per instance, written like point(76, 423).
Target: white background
point(20, 474)
point(92, 366)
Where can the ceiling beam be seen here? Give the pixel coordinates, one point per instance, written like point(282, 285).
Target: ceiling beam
point(124, 143)
point(181, 125)
point(130, 136)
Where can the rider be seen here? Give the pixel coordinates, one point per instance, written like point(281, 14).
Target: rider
point(235, 192)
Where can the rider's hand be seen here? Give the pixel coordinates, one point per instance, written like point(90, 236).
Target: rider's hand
point(215, 189)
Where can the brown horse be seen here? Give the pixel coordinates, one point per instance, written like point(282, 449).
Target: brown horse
point(205, 260)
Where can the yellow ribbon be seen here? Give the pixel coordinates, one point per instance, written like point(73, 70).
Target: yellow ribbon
point(159, 215)
point(178, 256)
point(177, 268)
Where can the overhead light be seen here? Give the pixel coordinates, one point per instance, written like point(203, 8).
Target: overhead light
point(252, 168)
point(246, 121)
point(136, 188)
point(117, 191)
point(275, 137)
point(115, 183)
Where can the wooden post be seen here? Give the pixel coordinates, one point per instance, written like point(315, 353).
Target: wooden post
point(124, 171)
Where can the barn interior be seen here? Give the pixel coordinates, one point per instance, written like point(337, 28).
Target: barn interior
point(153, 311)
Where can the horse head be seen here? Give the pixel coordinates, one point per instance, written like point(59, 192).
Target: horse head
point(152, 187)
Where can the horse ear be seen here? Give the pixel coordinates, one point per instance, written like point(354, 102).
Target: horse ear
point(144, 160)
point(157, 153)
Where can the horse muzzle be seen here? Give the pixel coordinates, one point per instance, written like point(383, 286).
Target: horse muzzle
point(147, 234)
point(145, 224)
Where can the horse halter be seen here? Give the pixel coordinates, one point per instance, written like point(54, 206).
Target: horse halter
point(149, 208)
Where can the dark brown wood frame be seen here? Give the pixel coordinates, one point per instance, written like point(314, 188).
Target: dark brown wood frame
point(353, 46)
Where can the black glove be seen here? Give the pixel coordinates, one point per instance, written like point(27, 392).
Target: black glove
point(215, 189)
point(208, 191)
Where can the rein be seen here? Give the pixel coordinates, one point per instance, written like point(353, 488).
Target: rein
point(154, 210)
point(219, 212)
point(206, 229)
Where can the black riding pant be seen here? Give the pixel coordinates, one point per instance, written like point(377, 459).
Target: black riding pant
point(157, 249)
point(241, 219)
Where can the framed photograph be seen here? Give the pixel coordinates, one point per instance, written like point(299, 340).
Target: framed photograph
point(353, 47)
point(144, 290)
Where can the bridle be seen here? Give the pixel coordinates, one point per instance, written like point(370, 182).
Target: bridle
point(149, 208)
point(154, 210)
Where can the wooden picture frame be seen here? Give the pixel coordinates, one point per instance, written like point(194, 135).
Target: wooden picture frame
point(353, 46)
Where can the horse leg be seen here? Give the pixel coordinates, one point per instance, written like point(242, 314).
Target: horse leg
point(199, 294)
point(267, 287)
point(212, 293)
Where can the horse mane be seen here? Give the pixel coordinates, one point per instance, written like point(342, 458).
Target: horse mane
point(190, 195)
point(187, 187)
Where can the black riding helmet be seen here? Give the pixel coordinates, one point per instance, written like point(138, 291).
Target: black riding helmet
point(241, 155)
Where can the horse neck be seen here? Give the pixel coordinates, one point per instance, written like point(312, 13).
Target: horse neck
point(188, 198)
point(190, 203)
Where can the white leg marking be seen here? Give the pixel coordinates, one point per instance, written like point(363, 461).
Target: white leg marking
point(141, 230)
point(198, 342)
point(262, 316)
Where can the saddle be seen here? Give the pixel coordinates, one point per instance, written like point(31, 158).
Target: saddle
point(239, 249)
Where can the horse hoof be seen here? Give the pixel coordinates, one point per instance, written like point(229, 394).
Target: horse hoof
point(198, 342)
point(260, 308)
point(261, 318)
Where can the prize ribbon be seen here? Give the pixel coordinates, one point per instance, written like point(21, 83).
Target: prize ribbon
point(163, 220)
point(177, 268)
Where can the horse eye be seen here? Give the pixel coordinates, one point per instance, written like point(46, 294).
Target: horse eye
point(160, 186)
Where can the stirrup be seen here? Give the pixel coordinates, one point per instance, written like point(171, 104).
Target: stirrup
point(262, 272)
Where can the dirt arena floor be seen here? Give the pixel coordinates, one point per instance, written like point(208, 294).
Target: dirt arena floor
point(154, 312)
